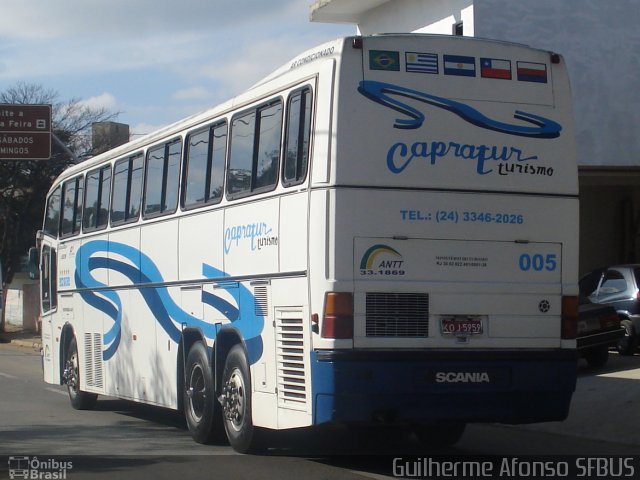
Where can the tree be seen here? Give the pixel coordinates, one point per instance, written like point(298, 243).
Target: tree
point(24, 184)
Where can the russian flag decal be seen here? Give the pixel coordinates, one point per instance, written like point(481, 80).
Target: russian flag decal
point(532, 72)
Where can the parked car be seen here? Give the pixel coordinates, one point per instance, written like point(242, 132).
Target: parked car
point(598, 329)
point(618, 286)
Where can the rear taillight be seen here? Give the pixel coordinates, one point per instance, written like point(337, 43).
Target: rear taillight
point(337, 321)
point(609, 320)
point(569, 328)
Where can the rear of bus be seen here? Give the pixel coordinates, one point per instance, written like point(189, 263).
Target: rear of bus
point(447, 288)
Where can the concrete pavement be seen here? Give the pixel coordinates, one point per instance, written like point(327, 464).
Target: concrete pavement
point(605, 405)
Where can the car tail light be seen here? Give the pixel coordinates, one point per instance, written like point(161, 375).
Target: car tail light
point(609, 320)
point(337, 321)
point(569, 322)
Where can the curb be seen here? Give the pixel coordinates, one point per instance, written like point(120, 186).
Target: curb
point(35, 344)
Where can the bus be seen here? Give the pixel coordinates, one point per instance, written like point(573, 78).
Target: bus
point(384, 231)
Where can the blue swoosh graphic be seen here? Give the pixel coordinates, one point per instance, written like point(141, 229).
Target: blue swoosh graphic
point(168, 314)
point(381, 92)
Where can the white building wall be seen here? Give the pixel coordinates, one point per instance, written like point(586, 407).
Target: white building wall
point(425, 16)
point(600, 41)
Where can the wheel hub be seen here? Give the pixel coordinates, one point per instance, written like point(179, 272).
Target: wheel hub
point(70, 373)
point(196, 392)
point(233, 401)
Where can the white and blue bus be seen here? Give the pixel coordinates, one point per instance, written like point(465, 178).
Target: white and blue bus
point(383, 231)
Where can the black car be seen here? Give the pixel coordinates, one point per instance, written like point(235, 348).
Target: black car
point(618, 286)
point(598, 329)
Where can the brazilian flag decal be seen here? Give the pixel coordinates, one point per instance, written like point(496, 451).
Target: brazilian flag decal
point(384, 60)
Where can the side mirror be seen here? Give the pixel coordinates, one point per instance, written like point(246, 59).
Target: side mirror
point(39, 237)
point(34, 263)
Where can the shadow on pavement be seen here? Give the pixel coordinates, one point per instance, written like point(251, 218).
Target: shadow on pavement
point(13, 334)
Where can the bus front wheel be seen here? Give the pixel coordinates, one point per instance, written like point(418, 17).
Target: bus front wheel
point(236, 402)
point(79, 400)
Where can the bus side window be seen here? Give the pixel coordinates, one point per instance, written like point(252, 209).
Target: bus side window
point(241, 154)
point(268, 155)
point(298, 135)
point(204, 166)
point(127, 190)
point(96, 203)
point(216, 165)
point(255, 150)
point(161, 179)
point(195, 183)
point(135, 189)
point(52, 218)
point(71, 207)
point(105, 196)
point(153, 181)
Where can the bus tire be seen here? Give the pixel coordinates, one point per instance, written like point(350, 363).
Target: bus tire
point(442, 435)
point(236, 402)
point(200, 406)
point(79, 400)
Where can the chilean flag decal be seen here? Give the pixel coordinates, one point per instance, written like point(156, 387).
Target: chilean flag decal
point(495, 68)
point(532, 72)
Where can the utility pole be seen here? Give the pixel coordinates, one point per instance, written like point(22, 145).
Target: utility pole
point(66, 149)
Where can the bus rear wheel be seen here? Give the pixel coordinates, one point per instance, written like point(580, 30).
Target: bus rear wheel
point(236, 403)
point(79, 400)
point(200, 406)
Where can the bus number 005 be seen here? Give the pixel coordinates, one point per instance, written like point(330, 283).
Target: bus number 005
point(538, 262)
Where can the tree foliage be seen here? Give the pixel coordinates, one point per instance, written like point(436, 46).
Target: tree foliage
point(24, 184)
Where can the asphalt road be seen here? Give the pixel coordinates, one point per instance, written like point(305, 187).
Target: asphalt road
point(136, 441)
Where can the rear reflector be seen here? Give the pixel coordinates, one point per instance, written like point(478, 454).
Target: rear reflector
point(337, 321)
point(569, 328)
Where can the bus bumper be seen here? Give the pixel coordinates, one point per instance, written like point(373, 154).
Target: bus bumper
point(516, 386)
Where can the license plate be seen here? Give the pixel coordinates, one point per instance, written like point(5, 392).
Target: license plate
point(461, 325)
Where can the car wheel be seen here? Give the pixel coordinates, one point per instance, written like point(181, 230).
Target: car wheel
point(627, 345)
point(597, 357)
point(79, 400)
point(200, 406)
